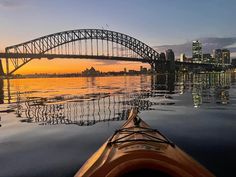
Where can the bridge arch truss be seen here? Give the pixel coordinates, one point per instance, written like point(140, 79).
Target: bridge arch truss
point(62, 45)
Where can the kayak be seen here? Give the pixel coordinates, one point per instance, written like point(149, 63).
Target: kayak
point(138, 150)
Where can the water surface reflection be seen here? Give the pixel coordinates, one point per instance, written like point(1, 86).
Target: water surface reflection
point(87, 105)
point(194, 110)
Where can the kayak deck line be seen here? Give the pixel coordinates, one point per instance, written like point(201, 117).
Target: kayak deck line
point(137, 147)
point(144, 131)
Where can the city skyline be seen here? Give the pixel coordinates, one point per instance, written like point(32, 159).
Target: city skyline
point(156, 23)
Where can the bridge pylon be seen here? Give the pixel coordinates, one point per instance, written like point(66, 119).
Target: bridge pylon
point(157, 67)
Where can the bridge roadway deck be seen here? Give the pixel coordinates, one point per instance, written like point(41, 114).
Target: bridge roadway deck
point(53, 56)
point(101, 57)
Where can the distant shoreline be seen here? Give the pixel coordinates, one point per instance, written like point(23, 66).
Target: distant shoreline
point(72, 76)
point(84, 76)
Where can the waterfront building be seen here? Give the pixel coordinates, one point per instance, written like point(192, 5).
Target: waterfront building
point(170, 57)
point(145, 70)
point(162, 56)
point(233, 62)
point(141, 68)
point(197, 51)
point(161, 66)
point(90, 72)
point(217, 55)
point(225, 56)
point(182, 57)
point(207, 58)
point(131, 71)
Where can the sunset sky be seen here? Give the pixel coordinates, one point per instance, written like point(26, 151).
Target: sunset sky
point(155, 22)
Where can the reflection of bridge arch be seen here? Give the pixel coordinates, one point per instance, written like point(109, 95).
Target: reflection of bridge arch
point(52, 44)
point(84, 110)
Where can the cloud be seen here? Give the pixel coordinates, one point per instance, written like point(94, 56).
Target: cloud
point(12, 3)
point(208, 45)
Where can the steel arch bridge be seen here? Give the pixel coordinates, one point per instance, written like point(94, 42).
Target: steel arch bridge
point(80, 43)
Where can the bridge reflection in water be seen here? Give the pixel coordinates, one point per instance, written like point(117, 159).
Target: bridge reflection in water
point(89, 109)
point(84, 110)
point(154, 93)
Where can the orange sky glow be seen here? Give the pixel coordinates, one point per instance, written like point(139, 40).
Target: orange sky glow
point(74, 66)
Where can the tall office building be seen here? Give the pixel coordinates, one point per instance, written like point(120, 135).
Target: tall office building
point(207, 58)
point(225, 56)
point(233, 62)
point(197, 51)
point(217, 55)
point(161, 65)
point(162, 56)
point(182, 57)
point(170, 56)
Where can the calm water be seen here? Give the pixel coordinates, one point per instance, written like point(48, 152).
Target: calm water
point(50, 126)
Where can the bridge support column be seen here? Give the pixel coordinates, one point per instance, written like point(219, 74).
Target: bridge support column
point(160, 67)
point(171, 66)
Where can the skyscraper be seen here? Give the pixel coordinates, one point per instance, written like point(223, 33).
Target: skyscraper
point(182, 57)
point(225, 56)
point(162, 56)
point(161, 66)
point(197, 52)
point(170, 57)
point(207, 58)
point(217, 55)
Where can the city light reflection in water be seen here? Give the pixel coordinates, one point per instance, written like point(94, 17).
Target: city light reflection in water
point(50, 103)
